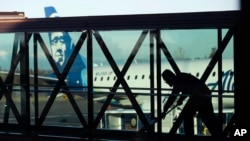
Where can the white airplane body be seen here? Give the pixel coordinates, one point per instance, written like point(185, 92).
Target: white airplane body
point(138, 79)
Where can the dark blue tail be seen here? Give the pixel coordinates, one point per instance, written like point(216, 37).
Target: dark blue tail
point(50, 12)
point(77, 78)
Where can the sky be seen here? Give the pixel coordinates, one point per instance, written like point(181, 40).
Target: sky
point(196, 46)
point(34, 8)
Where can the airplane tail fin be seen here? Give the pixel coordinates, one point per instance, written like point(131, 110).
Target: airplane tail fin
point(76, 75)
point(50, 12)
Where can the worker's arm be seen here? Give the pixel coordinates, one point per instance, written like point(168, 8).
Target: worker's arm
point(181, 99)
point(169, 102)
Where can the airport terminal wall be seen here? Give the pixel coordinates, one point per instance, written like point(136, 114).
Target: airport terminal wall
point(99, 77)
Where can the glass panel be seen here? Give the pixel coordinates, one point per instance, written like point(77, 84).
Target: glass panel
point(8, 52)
point(60, 46)
point(192, 51)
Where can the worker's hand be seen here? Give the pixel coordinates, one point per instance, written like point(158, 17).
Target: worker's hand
point(165, 108)
point(163, 115)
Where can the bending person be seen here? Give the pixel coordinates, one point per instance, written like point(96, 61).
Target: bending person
point(200, 101)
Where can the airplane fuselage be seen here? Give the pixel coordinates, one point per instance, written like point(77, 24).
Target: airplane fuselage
point(138, 79)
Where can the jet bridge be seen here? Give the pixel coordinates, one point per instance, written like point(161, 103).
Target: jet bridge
point(12, 15)
point(31, 109)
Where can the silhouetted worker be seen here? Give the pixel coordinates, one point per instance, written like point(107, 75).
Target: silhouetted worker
point(199, 101)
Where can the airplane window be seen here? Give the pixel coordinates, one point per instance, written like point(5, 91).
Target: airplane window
point(197, 74)
point(95, 78)
point(101, 78)
point(108, 78)
point(135, 77)
point(213, 74)
point(114, 77)
point(128, 77)
point(142, 77)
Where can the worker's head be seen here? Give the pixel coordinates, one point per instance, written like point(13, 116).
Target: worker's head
point(168, 76)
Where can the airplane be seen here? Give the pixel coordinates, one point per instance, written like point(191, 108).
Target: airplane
point(104, 77)
point(137, 77)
